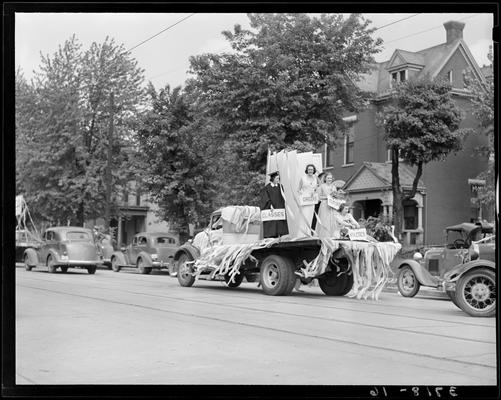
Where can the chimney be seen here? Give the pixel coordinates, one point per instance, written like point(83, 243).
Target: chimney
point(454, 30)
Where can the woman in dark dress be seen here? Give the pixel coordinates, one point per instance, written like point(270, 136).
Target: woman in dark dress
point(271, 198)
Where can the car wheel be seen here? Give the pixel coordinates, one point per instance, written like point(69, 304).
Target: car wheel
point(27, 265)
point(333, 285)
point(64, 269)
point(277, 276)
point(142, 269)
point(407, 283)
point(237, 280)
point(452, 296)
point(184, 272)
point(51, 265)
point(91, 270)
point(114, 265)
point(476, 293)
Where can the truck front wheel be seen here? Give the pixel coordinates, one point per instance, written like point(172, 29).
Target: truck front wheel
point(277, 275)
point(333, 285)
point(184, 273)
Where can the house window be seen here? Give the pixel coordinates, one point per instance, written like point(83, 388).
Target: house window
point(394, 77)
point(138, 198)
point(449, 76)
point(410, 214)
point(329, 156)
point(349, 143)
point(403, 76)
point(126, 197)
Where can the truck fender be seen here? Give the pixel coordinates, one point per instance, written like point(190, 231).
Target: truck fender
point(32, 255)
point(122, 262)
point(146, 257)
point(459, 270)
point(188, 249)
point(422, 275)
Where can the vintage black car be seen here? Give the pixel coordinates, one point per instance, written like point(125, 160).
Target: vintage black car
point(64, 247)
point(148, 251)
point(467, 256)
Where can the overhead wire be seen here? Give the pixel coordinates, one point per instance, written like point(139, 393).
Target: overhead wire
point(394, 22)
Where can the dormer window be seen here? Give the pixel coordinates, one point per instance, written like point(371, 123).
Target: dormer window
point(399, 76)
point(394, 77)
point(449, 76)
point(403, 75)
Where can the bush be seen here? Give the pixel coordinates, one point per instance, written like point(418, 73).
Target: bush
point(378, 227)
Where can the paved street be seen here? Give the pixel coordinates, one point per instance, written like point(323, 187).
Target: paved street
point(127, 328)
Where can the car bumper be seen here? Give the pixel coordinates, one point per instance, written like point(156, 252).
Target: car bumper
point(160, 264)
point(78, 263)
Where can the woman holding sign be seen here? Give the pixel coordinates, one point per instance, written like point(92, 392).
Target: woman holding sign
point(272, 199)
point(308, 197)
point(327, 223)
point(345, 219)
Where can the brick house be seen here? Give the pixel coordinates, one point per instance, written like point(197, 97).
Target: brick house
point(361, 157)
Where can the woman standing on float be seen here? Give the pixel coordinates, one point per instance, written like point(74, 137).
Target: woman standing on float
point(327, 223)
point(308, 186)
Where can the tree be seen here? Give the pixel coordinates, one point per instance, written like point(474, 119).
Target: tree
point(286, 85)
point(63, 158)
point(421, 126)
point(175, 158)
point(483, 106)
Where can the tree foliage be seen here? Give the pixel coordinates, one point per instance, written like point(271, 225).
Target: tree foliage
point(175, 158)
point(421, 126)
point(286, 85)
point(61, 153)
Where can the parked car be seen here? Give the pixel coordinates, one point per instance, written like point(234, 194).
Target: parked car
point(25, 240)
point(64, 247)
point(472, 285)
point(468, 247)
point(148, 251)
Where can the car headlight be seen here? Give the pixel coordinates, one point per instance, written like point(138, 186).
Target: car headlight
point(64, 257)
point(417, 256)
point(154, 257)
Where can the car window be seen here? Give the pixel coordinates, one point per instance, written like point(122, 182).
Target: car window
point(76, 236)
point(50, 235)
point(216, 222)
point(165, 240)
point(141, 241)
point(452, 236)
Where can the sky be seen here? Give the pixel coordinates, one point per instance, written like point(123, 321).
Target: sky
point(165, 57)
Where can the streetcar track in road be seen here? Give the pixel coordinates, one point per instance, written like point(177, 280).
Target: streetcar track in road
point(285, 300)
point(247, 324)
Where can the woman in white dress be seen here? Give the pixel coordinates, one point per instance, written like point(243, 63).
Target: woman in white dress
point(308, 186)
point(327, 223)
point(345, 220)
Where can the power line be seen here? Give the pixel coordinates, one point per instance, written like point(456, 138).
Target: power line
point(162, 31)
point(391, 23)
point(427, 30)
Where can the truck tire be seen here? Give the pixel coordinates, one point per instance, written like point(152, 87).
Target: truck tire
point(91, 270)
point(476, 293)
point(184, 275)
point(237, 280)
point(51, 265)
point(333, 285)
point(64, 269)
point(407, 282)
point(114, 265)
point(277, 275)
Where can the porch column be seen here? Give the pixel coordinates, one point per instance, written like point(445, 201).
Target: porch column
point(420, 217)
point(390, 212)
point(119, 234)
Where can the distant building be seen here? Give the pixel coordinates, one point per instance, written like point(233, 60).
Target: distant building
point(135, 214)
point(362, 157)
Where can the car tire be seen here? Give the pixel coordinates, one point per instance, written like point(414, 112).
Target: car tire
point(91, 270)
point(237, 280)
point(64, 269)
point(114, 265)
point(476, 293)
point(27, 265)
point(51, 265)
point(277, 276)
point(184, 273)
point(407, 282)
point(452, 296)
point(142, 269)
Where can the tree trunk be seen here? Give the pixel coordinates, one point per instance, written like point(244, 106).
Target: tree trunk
point(80, 215)
point(397, 195)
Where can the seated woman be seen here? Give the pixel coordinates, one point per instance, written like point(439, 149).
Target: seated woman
point(345, 220)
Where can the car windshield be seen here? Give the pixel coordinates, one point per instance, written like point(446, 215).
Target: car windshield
point(452, 236)
point(79, 236)
point(165, 240)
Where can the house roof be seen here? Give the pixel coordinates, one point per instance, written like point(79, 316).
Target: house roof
point(430, 61)
point(381, 176)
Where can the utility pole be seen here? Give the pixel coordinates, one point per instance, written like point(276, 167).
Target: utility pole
point(108, 167)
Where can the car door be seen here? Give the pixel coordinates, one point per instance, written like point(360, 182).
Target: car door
point(132, 250)
point(49, 242)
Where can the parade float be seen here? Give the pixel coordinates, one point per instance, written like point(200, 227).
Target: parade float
point(26, 232)
point(232, 247)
